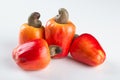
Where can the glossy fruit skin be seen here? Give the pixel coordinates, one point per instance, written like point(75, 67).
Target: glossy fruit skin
point(28, 33)
point(60, 35)
point(86, 49)
point(32, 55)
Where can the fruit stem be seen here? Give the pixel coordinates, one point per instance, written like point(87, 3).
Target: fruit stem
point(34, 21)
point(75, 36)
point(62, 17)
point(54, 49)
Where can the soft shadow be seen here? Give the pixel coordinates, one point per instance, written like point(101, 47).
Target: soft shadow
point(111, 68)
point(10, 64)
point(7, 48)
point(78, 63)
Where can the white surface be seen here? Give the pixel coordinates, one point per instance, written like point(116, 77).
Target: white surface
point(101, 18)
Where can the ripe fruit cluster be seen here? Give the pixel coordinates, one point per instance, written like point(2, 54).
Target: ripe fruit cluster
point(38, 43)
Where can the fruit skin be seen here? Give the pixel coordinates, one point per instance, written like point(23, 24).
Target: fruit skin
point(60, 35)
point(32, 55)
point(86, 49)
point(28, 33)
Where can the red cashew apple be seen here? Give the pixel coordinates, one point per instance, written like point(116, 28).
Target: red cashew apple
point(86, 49)
point(32, 55)
point(60, 31)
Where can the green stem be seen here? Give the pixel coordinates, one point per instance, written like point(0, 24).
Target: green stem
point(54, 50)
point(62, 17)
point(75, 36)
point(34, 21)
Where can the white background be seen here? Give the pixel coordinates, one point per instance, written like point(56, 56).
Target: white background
point(101, 18)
